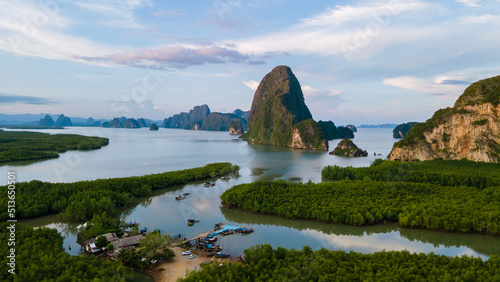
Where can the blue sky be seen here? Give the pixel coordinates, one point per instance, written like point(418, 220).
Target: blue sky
point(358, 62)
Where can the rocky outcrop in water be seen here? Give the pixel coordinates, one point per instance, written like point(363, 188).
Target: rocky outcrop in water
point(471, 129)
point(115, 123)
point(278, 108)
point(221, 122)
point(191, 120)
point(352, 127)
point(332, 132)
point(235, 128)
point(153, 127)
point(347, 148)
point(131, 123)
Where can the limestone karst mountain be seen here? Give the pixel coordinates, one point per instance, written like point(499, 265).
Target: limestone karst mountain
point(471, 129)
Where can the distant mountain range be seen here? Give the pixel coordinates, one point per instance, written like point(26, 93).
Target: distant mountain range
point(186, 120)
point(385, 125)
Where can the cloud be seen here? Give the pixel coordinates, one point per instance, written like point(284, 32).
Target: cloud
point(470, 3)
point(115, 13)
point(170, 13)
point(437, 87)
point(179, 57)
point(482, 19)
point(30, 100)
point(28, 30)
point(312, 92)
point(346, 14)
point(252, 84)
point(337, 30)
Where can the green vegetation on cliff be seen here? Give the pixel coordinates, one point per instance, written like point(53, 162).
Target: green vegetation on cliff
point(220, 122)
point(311, 134)
point(332, 132)
point(84, 199)
point(263, 263)
point(23, 145)
point(483, 91)
point(347, 148)
point(413, 205)
point(41, 257)
point(277, 106)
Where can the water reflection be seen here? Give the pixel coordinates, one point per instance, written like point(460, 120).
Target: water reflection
point(372, 238)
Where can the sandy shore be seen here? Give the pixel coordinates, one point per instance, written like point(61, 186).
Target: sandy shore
point(177, 267)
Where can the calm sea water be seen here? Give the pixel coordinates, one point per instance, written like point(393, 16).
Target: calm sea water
point(140, 152)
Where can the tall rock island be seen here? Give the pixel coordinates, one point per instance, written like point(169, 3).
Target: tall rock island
point(279, 115)
point(471, 129)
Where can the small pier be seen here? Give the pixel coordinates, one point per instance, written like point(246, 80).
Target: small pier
point(202, 235)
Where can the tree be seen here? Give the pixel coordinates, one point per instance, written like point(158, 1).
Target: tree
point(156, 245)
point(101, 242)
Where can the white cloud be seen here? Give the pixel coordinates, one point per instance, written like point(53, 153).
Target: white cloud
point(28, 30)
point(486, 18)
point(337, 30)
point(378, 10)
point(436, 87)
point(252, 84)
point(117, 13)
point(312, 92)
point(335, 92)
point(470, 3)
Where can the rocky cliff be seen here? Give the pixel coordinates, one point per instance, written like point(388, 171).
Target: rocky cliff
point(308, 135)
point(131, 123)
point(191, 120)
point(352, 127)
point(235, 128)
point(278, 105)
point(347, 148)
point(241, 114)
point(471, 129)
point(142, 122)
point(221, 122)
point(402, 129)
point(115, 123)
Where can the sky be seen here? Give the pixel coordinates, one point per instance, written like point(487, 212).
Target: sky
point(358, 62)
